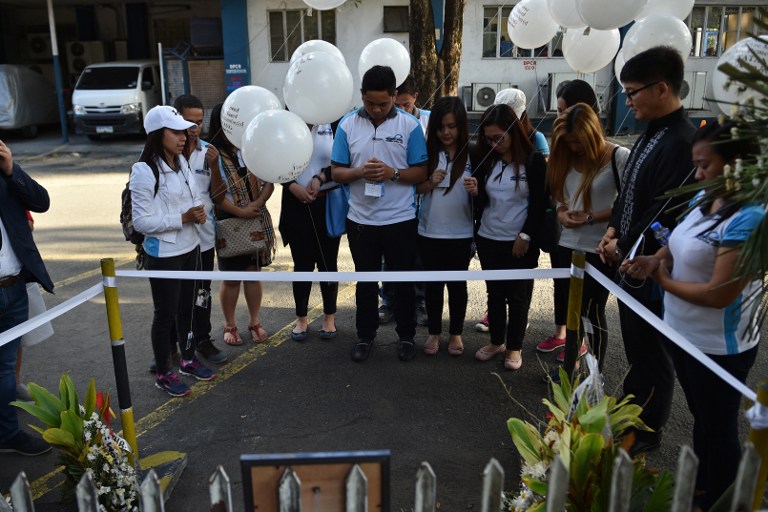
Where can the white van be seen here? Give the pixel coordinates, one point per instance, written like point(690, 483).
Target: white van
point(114, 97)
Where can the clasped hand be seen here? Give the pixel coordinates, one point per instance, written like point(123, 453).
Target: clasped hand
point(375, 170)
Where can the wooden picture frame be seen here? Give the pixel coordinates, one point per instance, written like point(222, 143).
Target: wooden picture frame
point(322, 476)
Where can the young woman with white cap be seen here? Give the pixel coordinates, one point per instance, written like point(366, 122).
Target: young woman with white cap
point(166, 207)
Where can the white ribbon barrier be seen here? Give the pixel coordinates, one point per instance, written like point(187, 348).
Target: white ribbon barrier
point(55, 312)
point(664, 328)
point(345, 277)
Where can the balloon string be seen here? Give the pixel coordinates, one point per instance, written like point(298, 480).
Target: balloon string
point(285, 41)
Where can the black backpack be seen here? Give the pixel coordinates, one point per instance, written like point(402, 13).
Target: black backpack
point(126, 217)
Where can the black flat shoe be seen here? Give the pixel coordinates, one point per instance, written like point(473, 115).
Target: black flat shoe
point(361, 350)
point(406, 350)
point(327, 335)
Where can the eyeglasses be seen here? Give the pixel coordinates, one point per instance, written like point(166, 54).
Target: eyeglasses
point(631, 94)
point(498, 139)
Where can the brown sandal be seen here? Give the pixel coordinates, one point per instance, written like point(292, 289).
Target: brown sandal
point(258, 338)
point(236, 339)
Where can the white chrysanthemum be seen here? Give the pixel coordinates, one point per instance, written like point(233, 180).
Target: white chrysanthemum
point(727, 173)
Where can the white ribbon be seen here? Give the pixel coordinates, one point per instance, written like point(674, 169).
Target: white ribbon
point(674, 336)
point(342, 277)
point(757, 415)
point(55, 312)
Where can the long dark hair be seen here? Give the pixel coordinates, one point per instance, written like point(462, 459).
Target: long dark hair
point(504, 117)
point(216, 134)
point(442, 107)
point(154, 149)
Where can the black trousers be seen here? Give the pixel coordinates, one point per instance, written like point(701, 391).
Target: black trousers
point(715, 407)
point(651, 376)
point(561, 258)
point(514, 296)
point(174, 302)
point(397, 243)
point(445, 254)
point(593, 299)
point(311, 246)
point(202, 315)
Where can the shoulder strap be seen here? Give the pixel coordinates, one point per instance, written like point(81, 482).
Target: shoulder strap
point(156, 172)
point(615, 169)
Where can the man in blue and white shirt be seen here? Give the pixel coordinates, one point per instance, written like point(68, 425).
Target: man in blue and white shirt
point(381, 153)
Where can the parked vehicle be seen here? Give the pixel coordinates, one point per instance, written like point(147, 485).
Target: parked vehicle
point(27, 100)
point(113, 97)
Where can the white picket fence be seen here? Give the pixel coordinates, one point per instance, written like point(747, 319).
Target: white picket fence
point(289, 490)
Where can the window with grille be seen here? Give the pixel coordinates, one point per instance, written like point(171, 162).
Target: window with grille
point(497, 43)
point(289, 28)
point(716, 28)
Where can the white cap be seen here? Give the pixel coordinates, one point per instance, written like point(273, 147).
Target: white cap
point(515, 98)
point(164, 116)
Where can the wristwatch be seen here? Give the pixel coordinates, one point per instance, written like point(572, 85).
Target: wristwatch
point(590, 219)
point(395, 174)
point(524, 237)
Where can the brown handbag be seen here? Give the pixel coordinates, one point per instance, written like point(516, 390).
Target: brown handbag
point(237, 236)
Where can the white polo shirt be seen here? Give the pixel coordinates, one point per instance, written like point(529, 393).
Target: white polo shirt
point(694, 244)
point(399, 142)
point(508, 197)
point(447, 215)
point(322, 144)
point(202, 172)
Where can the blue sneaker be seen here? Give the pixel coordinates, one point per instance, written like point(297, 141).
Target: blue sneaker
point(171, 384)
point(196, 369)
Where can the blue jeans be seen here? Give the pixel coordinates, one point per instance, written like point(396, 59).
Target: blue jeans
point(14, 309)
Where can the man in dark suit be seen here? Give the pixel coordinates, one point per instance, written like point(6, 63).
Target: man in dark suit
point(20, 262)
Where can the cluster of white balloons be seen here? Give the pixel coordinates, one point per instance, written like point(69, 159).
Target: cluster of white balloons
point(318, 89)
point(591, 39)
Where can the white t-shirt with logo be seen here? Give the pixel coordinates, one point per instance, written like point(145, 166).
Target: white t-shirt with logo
point(507, 210)
point(694, 244)
point(399, 142)
point(447, 215)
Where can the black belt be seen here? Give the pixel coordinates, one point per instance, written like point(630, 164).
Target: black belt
point(9, 281)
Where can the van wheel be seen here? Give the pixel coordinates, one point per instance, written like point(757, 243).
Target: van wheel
point(30, 132)
point(94, 137)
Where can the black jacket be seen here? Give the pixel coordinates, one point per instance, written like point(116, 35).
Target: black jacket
point(19, 193)
point(665, 167)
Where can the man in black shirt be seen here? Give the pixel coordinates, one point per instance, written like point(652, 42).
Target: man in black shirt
point(660, 161)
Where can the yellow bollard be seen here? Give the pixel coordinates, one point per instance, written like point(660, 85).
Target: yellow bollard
point(118, 356)
point(759, 438)
point(573, 320)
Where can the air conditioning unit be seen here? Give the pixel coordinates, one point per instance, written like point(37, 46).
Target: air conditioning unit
point(82, 53)
point(694, 89)
point(483, 95)
point(39, 46)
point(555, 79)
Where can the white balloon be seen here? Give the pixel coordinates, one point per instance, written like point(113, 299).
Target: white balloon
point(386, 52)
point(277, 146)
point(608, 14)
point(657, 30)
point(318, 88)
point(586, 53)
point(680, 9)
point(726, 95)
point(242, 106)
point(618, 64)
point(324, 5)
point(530, 25)
point(316, 45)
point(564, 12)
